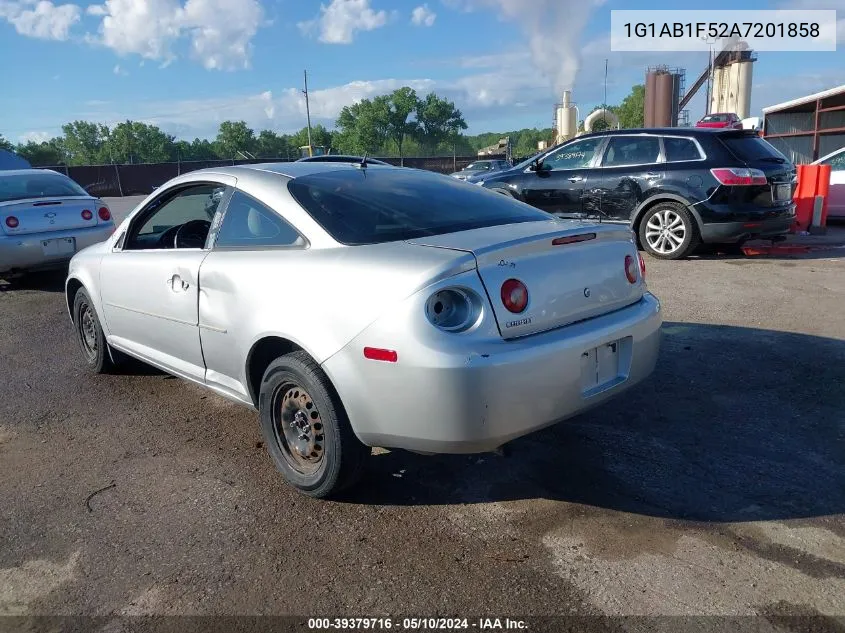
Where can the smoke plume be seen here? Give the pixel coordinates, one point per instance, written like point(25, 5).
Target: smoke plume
point(553, 29)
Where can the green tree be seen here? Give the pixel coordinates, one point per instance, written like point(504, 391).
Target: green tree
point(439, 121)
point(44, 154)
point(319, 136)
point(234, 137)
point(631, 111)
point(363, 126)
point(136, 142)
point(203, 149)
point(4, 144)
point(85, 143)
point(272, 145)
point(400, 105)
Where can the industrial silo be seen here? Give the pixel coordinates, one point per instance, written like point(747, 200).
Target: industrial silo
point(664, 95)
point(650, 88)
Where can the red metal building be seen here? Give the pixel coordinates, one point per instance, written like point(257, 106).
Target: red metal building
point(807, 128)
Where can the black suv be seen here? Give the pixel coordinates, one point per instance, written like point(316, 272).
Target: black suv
point(677, 187)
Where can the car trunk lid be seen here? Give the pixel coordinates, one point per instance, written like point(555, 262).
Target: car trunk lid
point(573, 271)
point(38, 215)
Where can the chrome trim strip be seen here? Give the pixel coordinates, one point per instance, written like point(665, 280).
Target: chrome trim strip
point(151, 314)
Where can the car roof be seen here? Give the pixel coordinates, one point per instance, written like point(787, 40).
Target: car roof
point(339, 158)
point(27, 172)
point(830, 155)
point(292, 169)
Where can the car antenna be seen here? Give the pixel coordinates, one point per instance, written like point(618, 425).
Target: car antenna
point(363, 164)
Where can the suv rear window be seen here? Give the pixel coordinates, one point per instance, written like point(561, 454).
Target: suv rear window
point(752, 148)
point(377, 205)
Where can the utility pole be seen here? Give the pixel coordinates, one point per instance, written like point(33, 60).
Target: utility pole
point(307, 111)
point(604, 110)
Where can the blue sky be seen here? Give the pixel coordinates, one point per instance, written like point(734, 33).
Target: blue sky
point(186, 65)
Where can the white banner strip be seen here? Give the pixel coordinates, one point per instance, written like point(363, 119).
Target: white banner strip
point(686, 30)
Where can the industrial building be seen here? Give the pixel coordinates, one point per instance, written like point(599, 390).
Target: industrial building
point(807, 128)
point(727, 77)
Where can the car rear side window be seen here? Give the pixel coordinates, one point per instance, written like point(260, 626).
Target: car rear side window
point(631, 150)
point(370, 206)
point(248, 223)
point(680, 149)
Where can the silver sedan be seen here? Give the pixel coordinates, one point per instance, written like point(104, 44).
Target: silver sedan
point(357, 306)
point(45, 217)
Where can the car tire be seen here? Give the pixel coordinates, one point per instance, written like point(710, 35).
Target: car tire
point(668, 231)
point(90, 335)
point(306, 429)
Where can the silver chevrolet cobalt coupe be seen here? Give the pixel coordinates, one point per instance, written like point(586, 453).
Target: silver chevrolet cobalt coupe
point(359, 305)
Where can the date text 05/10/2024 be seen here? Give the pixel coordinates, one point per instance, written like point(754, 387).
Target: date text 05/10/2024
point(361, 624)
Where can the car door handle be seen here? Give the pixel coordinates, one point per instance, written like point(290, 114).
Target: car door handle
point(177, 284)
point(575, 178)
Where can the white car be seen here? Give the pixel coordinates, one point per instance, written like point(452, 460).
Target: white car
point(45, 218)
point(370, 306)
point(836, 197)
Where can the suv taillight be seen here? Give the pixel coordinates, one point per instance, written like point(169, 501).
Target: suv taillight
point(739, 176)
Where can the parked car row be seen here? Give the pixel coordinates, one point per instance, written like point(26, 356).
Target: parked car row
point(479, 168)
point(432, 302)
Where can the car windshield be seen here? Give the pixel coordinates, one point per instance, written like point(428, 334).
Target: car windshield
point(44, 185)
point(373, 206)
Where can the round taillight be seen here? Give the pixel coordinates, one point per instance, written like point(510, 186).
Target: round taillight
point(514, 295)
point(642, 265)
point(104, 213)
point(12, 222)
point(631, 269)
point(87, 215)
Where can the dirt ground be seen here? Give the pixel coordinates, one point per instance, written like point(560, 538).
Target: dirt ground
point(718, 488)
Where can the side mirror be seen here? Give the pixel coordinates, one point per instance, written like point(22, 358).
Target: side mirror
point(536, 166)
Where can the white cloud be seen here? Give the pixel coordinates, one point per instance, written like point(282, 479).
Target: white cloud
point(423, 16)
point(117, 70)
point(219, 31)
point(41, 19)
point(35, 137)
point(339, 22)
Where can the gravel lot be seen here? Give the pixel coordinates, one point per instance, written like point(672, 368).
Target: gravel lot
point(717, 488)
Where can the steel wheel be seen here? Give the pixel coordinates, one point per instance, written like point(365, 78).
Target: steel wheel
point(665, 231)
point(298, 428)
point(88, 331)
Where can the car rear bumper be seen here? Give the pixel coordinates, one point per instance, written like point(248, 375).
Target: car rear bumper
point(470, 403)
point(21, 253)
point(730, 232)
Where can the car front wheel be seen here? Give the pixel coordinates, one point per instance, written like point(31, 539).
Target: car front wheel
point(90, 334)
point(668, 231)
point(306, 429)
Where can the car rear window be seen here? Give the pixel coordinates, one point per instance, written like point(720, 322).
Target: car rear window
point(752, 148)
point(375, 205)
point(23, 186)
